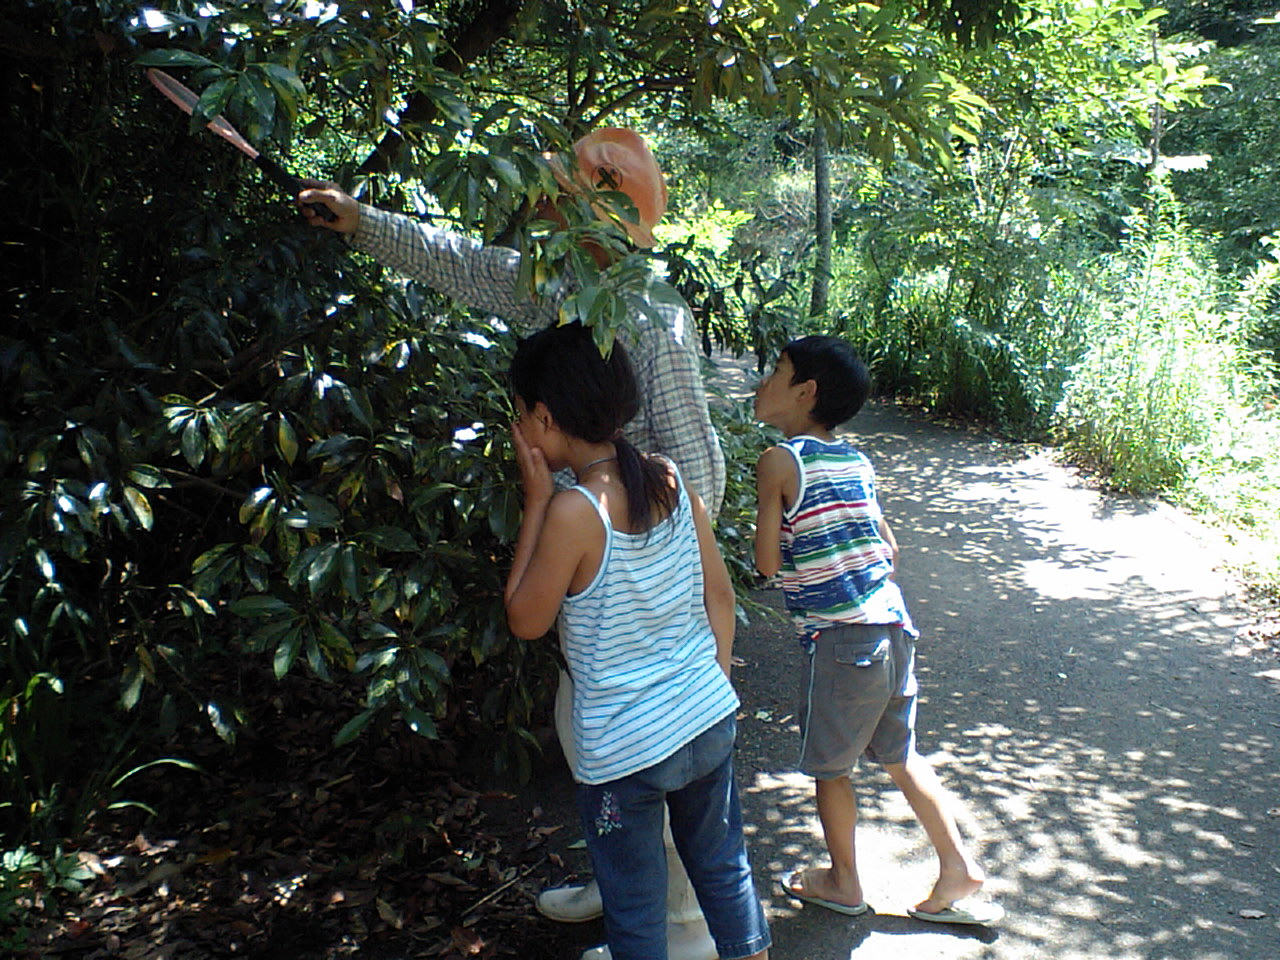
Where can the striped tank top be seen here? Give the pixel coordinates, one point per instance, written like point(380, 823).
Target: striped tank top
point(835, 564)
point(641, 651)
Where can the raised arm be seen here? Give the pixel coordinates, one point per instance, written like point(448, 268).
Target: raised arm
point(555, 533)
point(483, 277)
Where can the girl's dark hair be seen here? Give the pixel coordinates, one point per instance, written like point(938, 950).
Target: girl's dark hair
point(843, 381)
point(592, 398)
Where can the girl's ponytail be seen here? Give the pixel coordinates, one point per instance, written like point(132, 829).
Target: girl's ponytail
point(648, 484)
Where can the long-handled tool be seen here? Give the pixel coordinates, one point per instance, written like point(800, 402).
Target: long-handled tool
point(186, 101)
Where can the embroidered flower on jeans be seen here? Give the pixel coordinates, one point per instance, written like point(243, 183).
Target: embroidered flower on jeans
point(610, 818)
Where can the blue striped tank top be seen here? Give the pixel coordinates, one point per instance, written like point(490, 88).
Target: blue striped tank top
point(835, 564)
point(641, 651)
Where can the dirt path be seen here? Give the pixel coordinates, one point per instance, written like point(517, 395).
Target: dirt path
point(1113, 759)
point(1112, 755)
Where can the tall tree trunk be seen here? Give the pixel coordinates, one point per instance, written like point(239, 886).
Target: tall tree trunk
point(822, 227)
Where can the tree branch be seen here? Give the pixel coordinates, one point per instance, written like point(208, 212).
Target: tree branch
point(492, 22)
point(634, 93)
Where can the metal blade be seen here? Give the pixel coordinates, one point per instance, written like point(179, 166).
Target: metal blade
point(186, 101)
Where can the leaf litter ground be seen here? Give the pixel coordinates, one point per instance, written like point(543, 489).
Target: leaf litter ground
point(288, 847)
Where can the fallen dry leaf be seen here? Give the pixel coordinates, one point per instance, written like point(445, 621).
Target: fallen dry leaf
point(467, 942)
point(448, 879)
point(216, 856)
point(388, 914)
point(91, 862)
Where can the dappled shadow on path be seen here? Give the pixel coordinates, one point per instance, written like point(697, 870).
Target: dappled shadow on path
point(1111, 758)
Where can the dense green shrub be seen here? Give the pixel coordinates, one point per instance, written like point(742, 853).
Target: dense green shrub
point(974, 313)
point(223, 435)
point(224, 438)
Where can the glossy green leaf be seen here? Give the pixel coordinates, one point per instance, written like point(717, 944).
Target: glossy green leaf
point(259, 98)
point(349, 571)
point(336, 644)
point(139, 507)
point(173, 58)
point(131, 686)
point(353, 728)
point(391, 538)
point(319, 569)
point(420, 722)
point(221, 720)
point(260, 606)
point(193, 441)
point(145, 475)
point(452, 107)
point(287, 652)
point(286, 84)
point(213, 100)
point(317, 512)
point(286, 439)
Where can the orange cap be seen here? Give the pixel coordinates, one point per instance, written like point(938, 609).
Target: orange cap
point(614, 158)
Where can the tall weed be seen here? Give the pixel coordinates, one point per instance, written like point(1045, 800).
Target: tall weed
point(1162, 364)
point(1235, 473)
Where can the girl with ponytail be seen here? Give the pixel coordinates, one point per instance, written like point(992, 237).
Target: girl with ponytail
point(627, 562)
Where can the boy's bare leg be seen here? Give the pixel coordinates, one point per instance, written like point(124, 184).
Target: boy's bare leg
point(838, 813)
point(959, 875)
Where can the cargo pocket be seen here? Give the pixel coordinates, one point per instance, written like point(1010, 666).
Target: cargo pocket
point(862, 653)
point(862, 669)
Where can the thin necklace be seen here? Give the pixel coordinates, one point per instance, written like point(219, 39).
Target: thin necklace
point(593, 463)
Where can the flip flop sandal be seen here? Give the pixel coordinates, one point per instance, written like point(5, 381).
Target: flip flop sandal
point(978, 913)
point(856, 910)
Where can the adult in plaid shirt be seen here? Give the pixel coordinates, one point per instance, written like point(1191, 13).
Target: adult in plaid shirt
point(673, 420)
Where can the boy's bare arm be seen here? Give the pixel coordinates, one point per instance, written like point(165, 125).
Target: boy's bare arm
point(776, 484)
point(717, 589)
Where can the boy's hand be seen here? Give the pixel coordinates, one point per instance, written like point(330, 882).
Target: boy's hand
point(539, 486)
point(346, 208)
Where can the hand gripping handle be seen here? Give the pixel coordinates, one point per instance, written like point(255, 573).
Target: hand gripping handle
point(292, 184)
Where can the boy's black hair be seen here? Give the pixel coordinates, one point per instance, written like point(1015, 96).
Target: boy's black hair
point(592, 398)
point(843, 380)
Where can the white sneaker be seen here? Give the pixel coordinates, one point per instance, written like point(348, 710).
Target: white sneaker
point(685, 941)
point(690, 941)
point(571, 904)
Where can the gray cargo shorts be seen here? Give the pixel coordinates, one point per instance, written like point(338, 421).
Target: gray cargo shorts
point(858, 696)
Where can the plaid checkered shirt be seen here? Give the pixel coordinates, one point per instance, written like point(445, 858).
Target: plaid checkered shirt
point(673, 418)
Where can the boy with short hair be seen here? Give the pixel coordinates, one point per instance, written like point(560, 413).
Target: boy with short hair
point(819, 524)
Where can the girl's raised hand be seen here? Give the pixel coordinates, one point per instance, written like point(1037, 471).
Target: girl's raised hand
point(538, 484)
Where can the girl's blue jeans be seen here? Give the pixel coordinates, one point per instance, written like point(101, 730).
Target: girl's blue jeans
point(622, 820)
